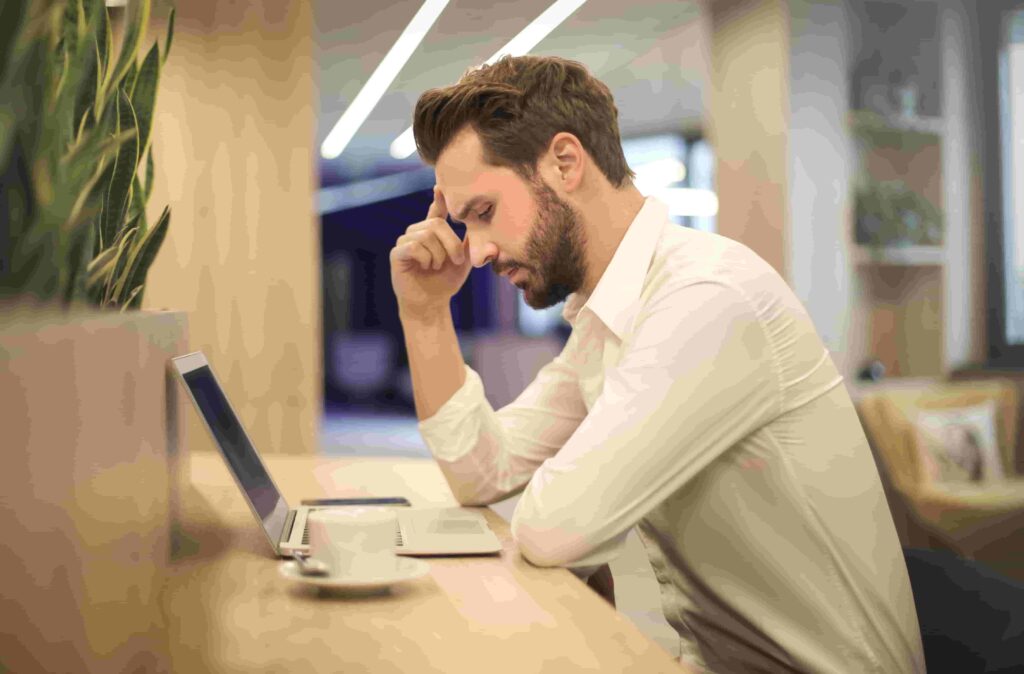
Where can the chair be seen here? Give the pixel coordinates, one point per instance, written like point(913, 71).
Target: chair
point(362, 364)
point(972, 619)
point(976, 520)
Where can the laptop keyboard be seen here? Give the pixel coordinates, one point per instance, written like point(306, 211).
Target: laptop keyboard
point(398, 533)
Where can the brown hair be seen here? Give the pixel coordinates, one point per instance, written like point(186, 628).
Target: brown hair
point(517, 105)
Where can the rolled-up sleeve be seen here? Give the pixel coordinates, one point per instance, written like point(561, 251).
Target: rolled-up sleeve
point(487, 455)
point(696, 375)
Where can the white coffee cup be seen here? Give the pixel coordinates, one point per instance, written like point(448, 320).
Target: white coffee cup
point(354, 542)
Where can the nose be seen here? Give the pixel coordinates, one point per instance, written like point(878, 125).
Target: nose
point(481, 251)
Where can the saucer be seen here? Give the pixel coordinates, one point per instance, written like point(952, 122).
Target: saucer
point(406, 569)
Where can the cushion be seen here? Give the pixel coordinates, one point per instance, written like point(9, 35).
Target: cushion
point(959, 444)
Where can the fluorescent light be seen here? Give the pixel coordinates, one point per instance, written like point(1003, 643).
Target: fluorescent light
point(381, 78)
point(527, 39)
point(404, 145)
point(688, 201)
point(538, 29)
point(654, 175)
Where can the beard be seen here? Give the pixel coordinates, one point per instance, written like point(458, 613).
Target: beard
point(555, 262)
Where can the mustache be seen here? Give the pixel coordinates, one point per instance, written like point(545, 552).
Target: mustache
point(500, 268)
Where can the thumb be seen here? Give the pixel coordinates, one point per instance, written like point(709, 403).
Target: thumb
point(438, 209)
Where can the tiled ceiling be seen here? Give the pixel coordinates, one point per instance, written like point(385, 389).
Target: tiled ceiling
point(649, 53)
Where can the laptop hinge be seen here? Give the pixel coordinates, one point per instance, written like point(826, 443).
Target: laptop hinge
point(289, 522)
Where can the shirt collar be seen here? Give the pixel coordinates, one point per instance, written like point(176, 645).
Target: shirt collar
point(615, 297)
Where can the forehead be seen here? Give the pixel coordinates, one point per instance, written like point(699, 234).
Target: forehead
point(463, 174)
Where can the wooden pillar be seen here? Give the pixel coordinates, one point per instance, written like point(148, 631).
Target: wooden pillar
point(234, 135)
point(747, 118)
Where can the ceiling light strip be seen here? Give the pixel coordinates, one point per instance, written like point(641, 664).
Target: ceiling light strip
point(382, 77)
point(527, 39)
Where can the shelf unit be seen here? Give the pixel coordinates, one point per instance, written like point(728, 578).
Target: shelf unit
point(899, 292)
point(902, 256)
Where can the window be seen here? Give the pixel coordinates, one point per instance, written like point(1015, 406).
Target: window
point(1002, 25)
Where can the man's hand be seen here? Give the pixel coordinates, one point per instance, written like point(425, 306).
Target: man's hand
point(429, 263)
point(602, 583)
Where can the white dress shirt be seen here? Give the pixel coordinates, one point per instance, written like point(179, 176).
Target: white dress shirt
point(695, 401)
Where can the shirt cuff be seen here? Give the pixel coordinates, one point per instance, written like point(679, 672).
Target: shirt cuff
point(442, 431)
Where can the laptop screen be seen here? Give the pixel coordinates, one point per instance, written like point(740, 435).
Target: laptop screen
point(244, 462)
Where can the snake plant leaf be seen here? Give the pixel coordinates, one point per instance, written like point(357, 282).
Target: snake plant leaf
point(76, 78)
point(81, 170)
point(105, 41)
point(115, 284)
point(106, 127)
point(87, 94)
point(82, 25)
point(68, 35)
point(78, 259)
point(100, 268)
point(30, 102)
point(144, 95)
point(94, 294)
point(13, 16)
point(18, 206)
point(92, 99)
point(128, 81)
point(69, 29)
point(170, 35)
point(136, 20)
point(149, 173)
point(146, 251)
point(8, 124)
point(138, 202)
point(132, 302)
point(119, 191)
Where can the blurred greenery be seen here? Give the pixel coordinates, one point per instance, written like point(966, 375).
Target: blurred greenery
point(75, 123)
point(890, 212)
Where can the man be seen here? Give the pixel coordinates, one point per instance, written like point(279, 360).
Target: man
point(693, 399)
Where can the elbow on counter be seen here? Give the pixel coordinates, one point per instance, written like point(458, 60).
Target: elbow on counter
point(472, 500)
point(544, 545)
point(466, 490)
point(470, 491)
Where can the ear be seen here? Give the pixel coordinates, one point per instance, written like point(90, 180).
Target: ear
point(567, 159)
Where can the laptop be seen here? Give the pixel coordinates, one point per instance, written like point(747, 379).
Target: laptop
point(419, 531)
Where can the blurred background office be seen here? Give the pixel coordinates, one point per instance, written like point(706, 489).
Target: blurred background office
point(373, 189)
point(868, 149)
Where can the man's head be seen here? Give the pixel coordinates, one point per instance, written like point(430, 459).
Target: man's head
point(512, 143)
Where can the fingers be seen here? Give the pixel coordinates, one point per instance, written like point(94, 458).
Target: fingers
point(438, 209)
point(438, 238)
point(426, 239)
point(450, 240)
point(412, 252)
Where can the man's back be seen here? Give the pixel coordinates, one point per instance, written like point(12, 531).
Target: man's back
point(781, 553)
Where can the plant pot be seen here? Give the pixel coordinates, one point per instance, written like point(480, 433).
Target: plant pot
point(93, 468)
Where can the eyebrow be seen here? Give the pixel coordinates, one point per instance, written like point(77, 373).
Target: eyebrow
point(464, 213)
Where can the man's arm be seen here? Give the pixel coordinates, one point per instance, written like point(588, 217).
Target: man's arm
point(429, 264)
point(435, 361)
point(484, 455)
point(698, 376)
point(487, 455)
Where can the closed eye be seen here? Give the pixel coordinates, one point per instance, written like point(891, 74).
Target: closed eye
point(486, 215)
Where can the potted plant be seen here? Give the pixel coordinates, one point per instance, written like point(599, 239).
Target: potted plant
point(76, 161)
point(889, 213)
point(91, 419)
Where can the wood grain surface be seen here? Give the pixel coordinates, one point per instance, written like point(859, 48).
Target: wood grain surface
point(228, 610)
